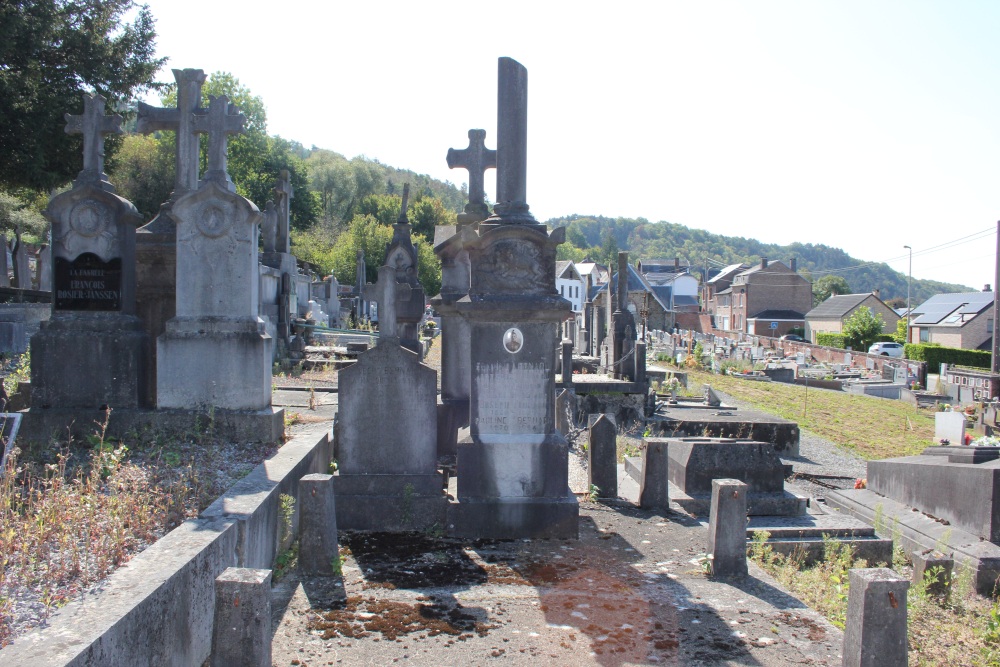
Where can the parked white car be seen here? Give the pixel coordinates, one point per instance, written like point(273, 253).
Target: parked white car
point(887, 349)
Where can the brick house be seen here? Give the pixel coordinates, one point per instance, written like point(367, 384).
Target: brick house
point(963, 320)
point(640, 296)
point(770, 288)
point(829, 316)
point(720, 307)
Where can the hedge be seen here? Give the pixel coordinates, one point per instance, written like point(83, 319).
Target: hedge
point(835, 340)
point(935, 355)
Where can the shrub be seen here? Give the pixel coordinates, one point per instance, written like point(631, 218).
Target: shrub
point(935, 355)
point(835, 340)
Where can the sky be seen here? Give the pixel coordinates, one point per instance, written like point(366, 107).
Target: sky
point(866, 125)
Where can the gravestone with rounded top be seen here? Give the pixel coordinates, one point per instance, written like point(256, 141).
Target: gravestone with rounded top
point(87, 355)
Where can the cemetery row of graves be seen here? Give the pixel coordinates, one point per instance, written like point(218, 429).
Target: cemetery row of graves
point(503, 468)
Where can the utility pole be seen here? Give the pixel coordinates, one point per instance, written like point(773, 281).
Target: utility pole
point(995, 360)
point(909, 279)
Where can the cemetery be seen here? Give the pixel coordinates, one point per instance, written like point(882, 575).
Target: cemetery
point(448, 494)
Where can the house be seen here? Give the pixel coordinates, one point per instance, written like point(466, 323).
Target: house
point(962, 320)
point(641, 297)
point(769, 299)
point(570, 285)
point(720, 308)
point(829, 316)
point(593, 275)
point(672, 282)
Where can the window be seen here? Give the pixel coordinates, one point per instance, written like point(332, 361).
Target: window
point(989, 326)
point(925, 336)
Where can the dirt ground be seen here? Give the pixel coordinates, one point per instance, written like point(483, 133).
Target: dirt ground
point(631, 591)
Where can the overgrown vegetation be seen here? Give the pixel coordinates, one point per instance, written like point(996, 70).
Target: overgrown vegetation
point(70, 516)
point(960, 628)
point(870, 427)
point(935, 355)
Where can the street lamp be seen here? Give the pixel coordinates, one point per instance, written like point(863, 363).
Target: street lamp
point(909, 278)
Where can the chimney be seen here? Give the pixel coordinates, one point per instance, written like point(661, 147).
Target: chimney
point(793, 264)
point(763, 262)
point(877, 293)
point(986, 288)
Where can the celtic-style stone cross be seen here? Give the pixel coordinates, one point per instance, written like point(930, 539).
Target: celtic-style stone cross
point(180, 120)
point(222, 119)
point(476, 159)
point(93, 125)
point(384, 293)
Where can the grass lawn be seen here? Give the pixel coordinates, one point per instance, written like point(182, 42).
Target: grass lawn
point(873, 428)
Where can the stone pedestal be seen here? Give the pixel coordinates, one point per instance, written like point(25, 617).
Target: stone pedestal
point(727, 528)
point(512, 471)
point(875, 630)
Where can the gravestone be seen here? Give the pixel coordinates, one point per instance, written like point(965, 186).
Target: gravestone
point(602, 456)
point(22, 270)
point(214, 352)
point(87, 355)
point(156, 242)
point(456, 277)
point(512, 471)
point(278, 224)
point(950, 427)
point(4, 263)
point(727, 528)
point(401, 255)
point(43, 268)
point(387, 478)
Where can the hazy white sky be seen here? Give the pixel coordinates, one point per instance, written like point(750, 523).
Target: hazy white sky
point(861, 124)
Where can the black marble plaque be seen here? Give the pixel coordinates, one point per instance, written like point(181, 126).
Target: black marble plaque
point(88, 283)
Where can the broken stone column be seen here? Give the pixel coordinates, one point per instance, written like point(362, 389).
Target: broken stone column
point(567, 363)
point(242, 627)
point(875, 631)
point(727, 528)
point(937, 568)
point(602, 456)
point(654, 492)
point(318, 526)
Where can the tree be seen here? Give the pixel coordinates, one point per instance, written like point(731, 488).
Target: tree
point(900, 334)
point(17, 212)
point(827, 286)
point(608, 253)
point(143, 172)
point(51, 52)
point(863, 327)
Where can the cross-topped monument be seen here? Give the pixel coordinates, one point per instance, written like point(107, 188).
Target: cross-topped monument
point(402, 219)
point(93, 124)
point(385, 293)
point(180, 120)
point(512, 143)
point(476, 159)
point(283, 194)
point(222, 119)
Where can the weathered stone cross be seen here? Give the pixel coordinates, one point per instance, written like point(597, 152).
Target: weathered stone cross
point(93, 125)
point(476, 159)
point(283, 194)
point(385, 293)
point(221, 120)
point(180, 119)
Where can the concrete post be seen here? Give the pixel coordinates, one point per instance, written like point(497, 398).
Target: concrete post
point(875, 632)
point(564, 411)
point(727, 528)
point(567, 362)
point(940, 583)
point(640, 362)
point(317, 526)
point(602, 456)
point(653, 492)
point(242, 628)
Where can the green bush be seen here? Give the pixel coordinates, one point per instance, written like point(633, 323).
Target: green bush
point(835, 340)
point(935, 355)
point(885, 338)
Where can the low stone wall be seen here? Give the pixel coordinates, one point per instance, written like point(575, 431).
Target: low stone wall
point(158, 609)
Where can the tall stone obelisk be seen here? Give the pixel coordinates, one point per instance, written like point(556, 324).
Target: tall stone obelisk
point(512, 471)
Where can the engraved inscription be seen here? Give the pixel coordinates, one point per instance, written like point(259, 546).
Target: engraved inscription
point(511, 399)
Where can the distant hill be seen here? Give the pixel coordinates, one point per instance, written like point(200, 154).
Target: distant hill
point(664, 240)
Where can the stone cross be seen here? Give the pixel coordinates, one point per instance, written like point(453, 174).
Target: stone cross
point(402, 219)
point(222, 119)
point(622, 281)
point(283, 194)
point(180, 120)
point(93, 125)
point(512, 139)
point(476, 159)
point(385, 293)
